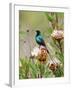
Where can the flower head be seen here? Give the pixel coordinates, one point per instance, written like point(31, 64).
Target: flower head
point(40, 53)
point(54, 64)
point(58, 34)
point(35, 51)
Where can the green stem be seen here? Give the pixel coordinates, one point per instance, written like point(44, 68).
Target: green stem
point(60, 46)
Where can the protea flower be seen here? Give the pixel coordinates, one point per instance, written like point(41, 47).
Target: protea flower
point(40, 53)
point(58, 34)
point(53, 65)
point(35, 52)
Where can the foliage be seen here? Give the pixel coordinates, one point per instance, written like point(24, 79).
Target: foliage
point(23, 69)
point(30, 70)
point(59, 72)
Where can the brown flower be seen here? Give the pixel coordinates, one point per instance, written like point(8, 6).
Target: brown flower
point(42, 55)
point(58, 34)
point(54, 64)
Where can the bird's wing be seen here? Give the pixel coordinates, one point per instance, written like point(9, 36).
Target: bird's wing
point(40, 38)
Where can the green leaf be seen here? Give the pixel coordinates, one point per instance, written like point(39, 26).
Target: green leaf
point(59, 72)
point(33, 70)
point(60, 56)
point(49, 17)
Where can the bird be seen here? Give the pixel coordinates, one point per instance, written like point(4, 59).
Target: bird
point(39, 39)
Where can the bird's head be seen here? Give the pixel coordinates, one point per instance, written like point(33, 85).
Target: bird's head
point(38, 32)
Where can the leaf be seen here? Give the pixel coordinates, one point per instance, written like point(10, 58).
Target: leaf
point(47, 73)
point(60, 56)
point(33, 70)
point(49, 17)
point(24, 69)
point(59, 72)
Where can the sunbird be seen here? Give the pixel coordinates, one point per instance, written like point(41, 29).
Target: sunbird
point(39, 39)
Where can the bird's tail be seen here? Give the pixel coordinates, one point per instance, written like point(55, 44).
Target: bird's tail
point(47, 51)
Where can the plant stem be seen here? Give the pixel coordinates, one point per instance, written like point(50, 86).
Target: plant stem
point(56, 21)
point(60, 45)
